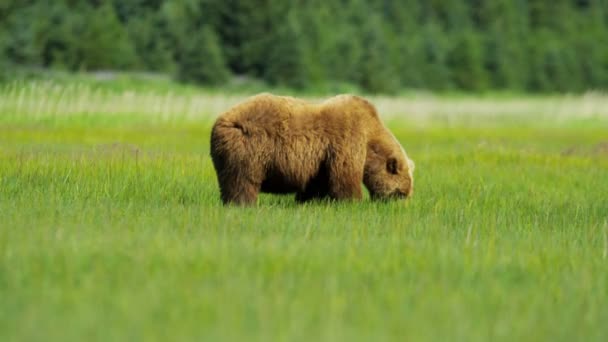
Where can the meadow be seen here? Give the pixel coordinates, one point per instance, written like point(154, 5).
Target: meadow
point(111, 227)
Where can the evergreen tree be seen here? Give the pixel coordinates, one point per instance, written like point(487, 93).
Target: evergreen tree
point(287, 62)
point(454, 15)
point(549, 69)
point(22, 44)
point(406, 41)
point(343, 60)
point(200, 59)
point(504, 60)
point(61, 46)
point(465, 61)
point(199, 56)
point(149, 38)
point(318, 39)
point(376, 74)
point(4, 63)
point(503, 25)
point(436, 74)
point(410, 60)
point(249, 31)
point(3, 42)
point(104, 42)
point(592, 48)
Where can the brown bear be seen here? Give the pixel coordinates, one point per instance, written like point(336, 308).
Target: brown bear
point(278, 144)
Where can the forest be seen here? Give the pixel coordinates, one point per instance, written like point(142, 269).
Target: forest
point(379, 46)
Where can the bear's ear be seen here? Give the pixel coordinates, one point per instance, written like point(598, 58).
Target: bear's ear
point(392, 166)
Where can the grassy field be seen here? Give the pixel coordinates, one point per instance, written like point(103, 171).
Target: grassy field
point(111, 227)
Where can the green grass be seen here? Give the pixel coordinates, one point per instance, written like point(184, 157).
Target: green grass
point(112, 229)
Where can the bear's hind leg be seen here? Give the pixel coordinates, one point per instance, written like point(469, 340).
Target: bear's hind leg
point(239, 191)
point(243, 193)
point(238, 172)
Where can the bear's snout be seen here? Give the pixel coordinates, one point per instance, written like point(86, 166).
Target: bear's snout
point(401, 194)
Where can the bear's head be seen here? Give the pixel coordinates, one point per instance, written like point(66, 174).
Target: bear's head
point(389, 173)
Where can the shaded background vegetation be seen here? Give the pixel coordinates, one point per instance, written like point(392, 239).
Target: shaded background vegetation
point(378, 45)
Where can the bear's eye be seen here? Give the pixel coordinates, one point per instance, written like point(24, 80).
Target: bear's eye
point(392, 166)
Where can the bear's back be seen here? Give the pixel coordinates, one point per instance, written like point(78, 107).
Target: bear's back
point(269, 114)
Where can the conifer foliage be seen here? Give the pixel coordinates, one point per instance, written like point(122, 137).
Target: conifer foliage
point(381, 46)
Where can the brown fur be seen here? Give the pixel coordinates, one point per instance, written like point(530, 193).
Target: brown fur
point(280, 144)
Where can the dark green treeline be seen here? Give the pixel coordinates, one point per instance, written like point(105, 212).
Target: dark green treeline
point(378, 45)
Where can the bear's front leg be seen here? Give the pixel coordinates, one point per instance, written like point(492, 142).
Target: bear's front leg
point(346, 160)
point(345, 177)
point(343, 189)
